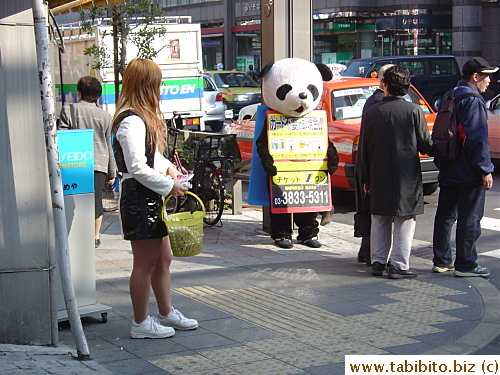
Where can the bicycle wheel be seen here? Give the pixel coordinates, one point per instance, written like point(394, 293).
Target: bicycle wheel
point(109, 202)
point(173, 205)
point(209, 188)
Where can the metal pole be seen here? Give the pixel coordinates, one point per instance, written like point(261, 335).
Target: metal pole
point(116, 20)
point(61, 233)
point(229, 53)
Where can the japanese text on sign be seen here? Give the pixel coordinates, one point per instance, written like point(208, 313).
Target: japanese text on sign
point(299, 146)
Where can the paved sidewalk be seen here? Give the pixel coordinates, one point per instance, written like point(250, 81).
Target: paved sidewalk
point(266, 310)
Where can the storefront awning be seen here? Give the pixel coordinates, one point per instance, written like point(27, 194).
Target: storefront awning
point(65, 6)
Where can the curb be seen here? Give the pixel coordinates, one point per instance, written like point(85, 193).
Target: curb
point(488, 327)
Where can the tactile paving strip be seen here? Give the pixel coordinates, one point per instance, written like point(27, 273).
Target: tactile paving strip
point(269, 366)
point(188, 365)
point(265, 309)
point(312, 336)
point(231, 356)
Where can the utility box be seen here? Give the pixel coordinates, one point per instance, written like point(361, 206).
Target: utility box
point(76, 155)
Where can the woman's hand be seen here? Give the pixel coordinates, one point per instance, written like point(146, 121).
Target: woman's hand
point(178, 190)
point(174, 173)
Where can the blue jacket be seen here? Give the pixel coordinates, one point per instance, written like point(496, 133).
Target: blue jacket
point(473, 160)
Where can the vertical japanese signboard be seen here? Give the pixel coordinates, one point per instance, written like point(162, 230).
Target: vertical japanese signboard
point(76, 157)
point(299, 146)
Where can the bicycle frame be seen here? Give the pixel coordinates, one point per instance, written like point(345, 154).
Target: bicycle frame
point(208, 182)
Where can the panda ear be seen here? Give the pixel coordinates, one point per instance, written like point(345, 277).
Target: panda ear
point(265, 69)
point(325, 71)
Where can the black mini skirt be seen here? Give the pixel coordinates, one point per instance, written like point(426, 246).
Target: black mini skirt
point(140, 210)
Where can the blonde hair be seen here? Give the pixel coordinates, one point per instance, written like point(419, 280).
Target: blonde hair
point(141, 94)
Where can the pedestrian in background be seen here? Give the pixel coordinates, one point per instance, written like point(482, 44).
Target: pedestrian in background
point(463, 181)
point(140, 139)
point(253, 73)
point(85, 114)
point(394, 131)
point(363, 220)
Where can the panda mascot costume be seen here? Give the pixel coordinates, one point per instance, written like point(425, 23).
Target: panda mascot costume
point(292, 87)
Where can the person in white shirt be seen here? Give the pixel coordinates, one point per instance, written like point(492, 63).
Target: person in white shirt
point(138, 142)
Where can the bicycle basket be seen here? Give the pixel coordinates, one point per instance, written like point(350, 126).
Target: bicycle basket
point(215, 147)
point(185, 230)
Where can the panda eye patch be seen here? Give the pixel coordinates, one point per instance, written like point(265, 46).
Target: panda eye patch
point(314, 91)
point(282, 91)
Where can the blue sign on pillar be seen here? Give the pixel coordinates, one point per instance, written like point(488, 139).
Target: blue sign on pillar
point(76, 157)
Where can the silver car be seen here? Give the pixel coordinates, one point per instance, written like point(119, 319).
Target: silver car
point(215, 109)
point(493, 107)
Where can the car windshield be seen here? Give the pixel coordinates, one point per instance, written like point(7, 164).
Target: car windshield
point(356, 69)
point(234, 80)
point(348, 103)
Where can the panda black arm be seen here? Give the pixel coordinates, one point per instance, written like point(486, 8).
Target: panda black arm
point(333, 158)
point(266, 159)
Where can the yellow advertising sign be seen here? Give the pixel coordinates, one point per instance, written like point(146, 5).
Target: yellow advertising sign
point(300, 177)
point(293, 138)
point(302, 165)
point(299, 147)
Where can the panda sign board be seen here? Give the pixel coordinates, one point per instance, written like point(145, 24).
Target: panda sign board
point(299, 146)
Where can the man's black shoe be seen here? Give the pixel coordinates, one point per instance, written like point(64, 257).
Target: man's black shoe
point(284, 243)
point(97, 243)
point(312, 243)
point(395, 273)
point(378, 269)
point(361, 259)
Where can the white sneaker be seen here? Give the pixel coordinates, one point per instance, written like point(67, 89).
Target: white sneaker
point(151, 329)
point(176, 320)
point(441, 269)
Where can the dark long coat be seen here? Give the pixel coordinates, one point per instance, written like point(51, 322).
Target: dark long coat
point(394, 131)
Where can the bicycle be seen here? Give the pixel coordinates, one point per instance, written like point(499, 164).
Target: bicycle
point(207, 182)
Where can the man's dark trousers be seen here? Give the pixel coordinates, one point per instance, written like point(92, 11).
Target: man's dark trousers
point(464, 204)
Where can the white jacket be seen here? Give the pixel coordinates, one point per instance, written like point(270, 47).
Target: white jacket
point(132, 135)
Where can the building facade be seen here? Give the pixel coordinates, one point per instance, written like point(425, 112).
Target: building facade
point(348, 29)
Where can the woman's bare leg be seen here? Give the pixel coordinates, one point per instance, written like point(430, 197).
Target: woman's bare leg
point(160, 278)
point(146, 254)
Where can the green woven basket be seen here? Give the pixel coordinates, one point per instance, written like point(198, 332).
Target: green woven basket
point(185, 229)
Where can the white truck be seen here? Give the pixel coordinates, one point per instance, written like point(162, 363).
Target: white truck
point(179, 58)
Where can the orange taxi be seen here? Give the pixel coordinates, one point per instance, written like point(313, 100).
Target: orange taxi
point(343, 100)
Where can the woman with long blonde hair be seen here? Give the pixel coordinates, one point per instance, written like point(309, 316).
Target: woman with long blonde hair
point(139, 137)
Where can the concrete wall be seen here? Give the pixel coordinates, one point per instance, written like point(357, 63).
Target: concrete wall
point(491, 32)
point(25, 233)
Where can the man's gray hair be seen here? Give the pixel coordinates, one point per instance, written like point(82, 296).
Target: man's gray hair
point(383, 69)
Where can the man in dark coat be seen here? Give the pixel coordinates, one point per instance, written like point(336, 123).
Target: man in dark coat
point(363, 199)
point(395, 131)
point(464, 181)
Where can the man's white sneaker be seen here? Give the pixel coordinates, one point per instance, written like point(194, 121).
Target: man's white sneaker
point(151, 329)
point(441, 269)
point(176, 320)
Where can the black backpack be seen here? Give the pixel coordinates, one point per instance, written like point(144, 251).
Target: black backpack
point(447, 135)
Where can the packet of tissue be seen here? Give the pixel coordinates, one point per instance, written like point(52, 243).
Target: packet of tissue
point(185, 180)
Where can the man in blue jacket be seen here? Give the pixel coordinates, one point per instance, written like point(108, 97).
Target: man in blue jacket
point(463, 181)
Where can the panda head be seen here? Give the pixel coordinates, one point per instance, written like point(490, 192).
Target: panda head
point(293, 86)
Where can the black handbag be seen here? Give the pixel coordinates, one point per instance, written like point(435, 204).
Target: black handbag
point(362, 218)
